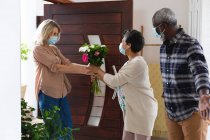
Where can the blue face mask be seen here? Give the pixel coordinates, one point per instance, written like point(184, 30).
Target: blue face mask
point(159, 35)
point(155, 33)
point(121, 49)
point(53, 40)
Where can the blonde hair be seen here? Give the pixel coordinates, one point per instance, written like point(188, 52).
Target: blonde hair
point(44, 31)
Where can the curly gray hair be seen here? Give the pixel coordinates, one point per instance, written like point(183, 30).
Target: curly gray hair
point(165, 15)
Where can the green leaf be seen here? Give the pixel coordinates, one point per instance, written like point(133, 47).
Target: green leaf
point(51, 129)
point(24, 50)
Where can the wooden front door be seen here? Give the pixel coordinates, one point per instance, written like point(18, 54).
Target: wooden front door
point(77, 20)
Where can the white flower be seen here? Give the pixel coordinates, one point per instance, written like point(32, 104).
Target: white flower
point(84, 49)
point(103, 46)
point(92, 46)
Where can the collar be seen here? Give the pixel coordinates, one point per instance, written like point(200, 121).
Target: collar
point(176, 38)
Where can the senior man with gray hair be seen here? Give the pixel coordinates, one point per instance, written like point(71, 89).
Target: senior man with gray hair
point(185, 79)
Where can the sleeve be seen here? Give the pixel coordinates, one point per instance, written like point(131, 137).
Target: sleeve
point(64, 60)
point(42, 56)
point(126, 74)
point(198, 67)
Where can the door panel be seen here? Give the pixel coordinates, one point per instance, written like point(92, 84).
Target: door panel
point(77, 20)
point(90, 18)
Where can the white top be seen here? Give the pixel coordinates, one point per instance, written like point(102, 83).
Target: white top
point(141, 106)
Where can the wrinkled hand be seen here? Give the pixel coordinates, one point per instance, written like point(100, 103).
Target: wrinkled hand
point(204, 106)
point(93, 78)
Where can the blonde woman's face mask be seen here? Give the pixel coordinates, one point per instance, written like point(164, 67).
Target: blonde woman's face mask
point(53, 37)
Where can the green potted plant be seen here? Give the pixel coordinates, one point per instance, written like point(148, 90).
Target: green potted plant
point(30, 131)
point(43, 131)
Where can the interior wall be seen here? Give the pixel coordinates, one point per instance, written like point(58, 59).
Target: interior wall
point(28, 28)
point(205, 28)
point(10, 70)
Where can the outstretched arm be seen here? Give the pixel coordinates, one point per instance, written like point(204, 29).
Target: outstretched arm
point(126, 74)
point(199, 69)
point(73, 68)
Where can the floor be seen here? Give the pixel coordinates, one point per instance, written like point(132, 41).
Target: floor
point(155, 138)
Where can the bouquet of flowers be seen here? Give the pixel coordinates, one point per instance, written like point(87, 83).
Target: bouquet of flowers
point(94, 54)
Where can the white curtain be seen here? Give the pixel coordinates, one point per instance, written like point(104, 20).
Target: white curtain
point(195, 16)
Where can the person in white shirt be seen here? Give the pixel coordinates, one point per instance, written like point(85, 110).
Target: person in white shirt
point(133, 79)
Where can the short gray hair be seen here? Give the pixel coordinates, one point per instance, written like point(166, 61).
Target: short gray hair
point(165, 15)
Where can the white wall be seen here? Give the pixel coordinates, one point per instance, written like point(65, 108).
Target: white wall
point(40, 7)
point(205, 29)
point(28, 28)
point(10, 70)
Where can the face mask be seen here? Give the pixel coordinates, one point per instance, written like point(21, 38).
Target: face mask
point(121, 49)
point(160, 36)
point(155, 33)
point(53, 40)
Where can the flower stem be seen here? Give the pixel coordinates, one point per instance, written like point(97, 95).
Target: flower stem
point(95, 87)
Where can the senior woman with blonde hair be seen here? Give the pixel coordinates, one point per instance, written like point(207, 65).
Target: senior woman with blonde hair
point(51, 83)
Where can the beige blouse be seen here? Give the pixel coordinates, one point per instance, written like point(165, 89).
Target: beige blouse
point(52, 83)
point(141, 106)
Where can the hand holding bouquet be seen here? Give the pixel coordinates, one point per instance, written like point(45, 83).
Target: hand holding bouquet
point(94, 54)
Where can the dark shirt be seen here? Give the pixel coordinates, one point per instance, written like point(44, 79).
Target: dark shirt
point(184, 72)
